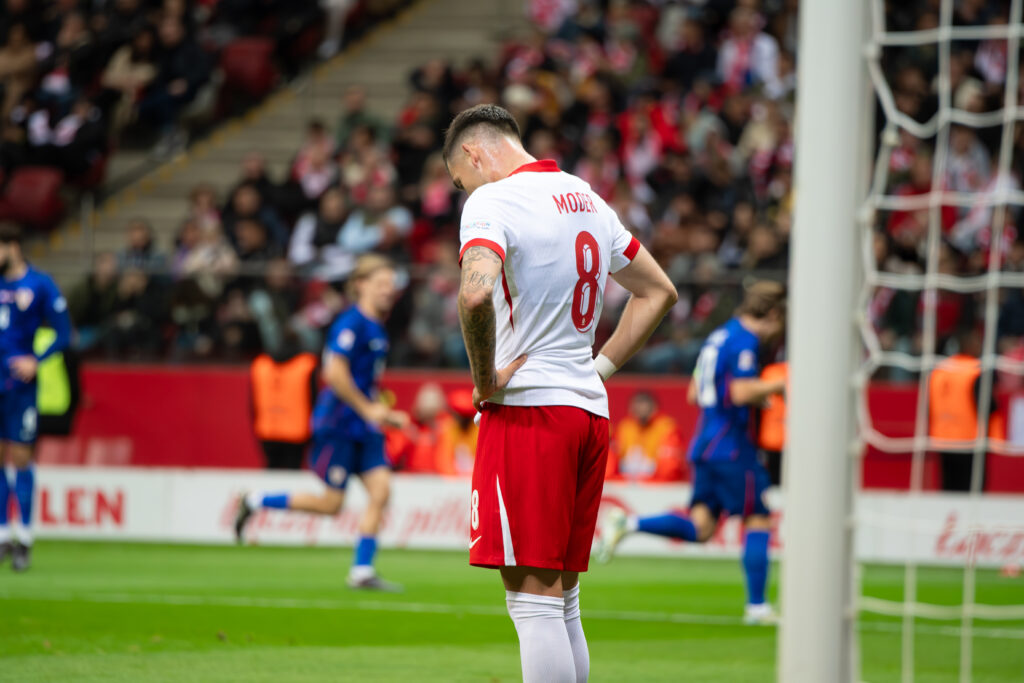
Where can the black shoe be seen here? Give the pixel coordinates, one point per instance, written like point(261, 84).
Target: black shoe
point(5, 550)
point(242, 518)
point(21, 558)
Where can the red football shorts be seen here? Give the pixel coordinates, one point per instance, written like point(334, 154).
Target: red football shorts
point(537, 485)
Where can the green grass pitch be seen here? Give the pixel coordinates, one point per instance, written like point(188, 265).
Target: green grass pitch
point(124, 612)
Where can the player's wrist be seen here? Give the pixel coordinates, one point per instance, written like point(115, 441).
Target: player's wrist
point(604, 367)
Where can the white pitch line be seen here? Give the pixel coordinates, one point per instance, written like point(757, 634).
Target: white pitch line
point(441, 608)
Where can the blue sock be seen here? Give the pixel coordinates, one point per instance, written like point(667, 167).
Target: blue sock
point(365, 550)
point(755, 565)
point(671, 525)
point(275, 500)
point(5, 495)
point(24, 487)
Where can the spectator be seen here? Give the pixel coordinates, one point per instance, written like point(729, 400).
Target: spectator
point(968, 164)
point(71, 66)
point(127, 75)
point(17, 66)
point(317, 143)
point(182, 69)
point(647, 443)
point(188, 240)
point(255, 249)
point(138, 307)
point(77, 141)
point(378, 226)
point(435, 337)
point(692, 56)
point(315, 172)
point(748, 56)
point(203, 208)
point(273, 303)
point(247, 204)
point(92, 302)
point(254, 173)
point(354, 115)
point(140, 251)
point(315, 245)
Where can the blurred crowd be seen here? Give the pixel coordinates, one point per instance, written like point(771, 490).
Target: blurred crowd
point(77, 76)
point(679, 114)
point(972, 238)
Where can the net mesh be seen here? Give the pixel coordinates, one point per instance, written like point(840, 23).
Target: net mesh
point(982, 207)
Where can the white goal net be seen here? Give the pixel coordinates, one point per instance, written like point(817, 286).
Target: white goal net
point(942, 264)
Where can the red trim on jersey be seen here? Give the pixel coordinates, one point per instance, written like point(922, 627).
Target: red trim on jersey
point(481, 242)
point(632, 249)
point(542, 166)
point(508, 298)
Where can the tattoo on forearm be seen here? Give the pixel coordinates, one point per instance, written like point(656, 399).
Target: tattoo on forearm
point(478, 322)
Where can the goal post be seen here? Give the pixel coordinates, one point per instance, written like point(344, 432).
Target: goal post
point(833, 150)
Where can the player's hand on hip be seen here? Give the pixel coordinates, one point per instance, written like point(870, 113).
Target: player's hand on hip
point(501, 380)
point(24, 367)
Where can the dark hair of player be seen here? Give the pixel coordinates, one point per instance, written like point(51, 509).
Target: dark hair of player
point(762, 298)
point(490, 115)
point(10, 233)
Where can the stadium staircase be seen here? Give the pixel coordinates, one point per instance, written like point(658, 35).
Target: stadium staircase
point(454, 30)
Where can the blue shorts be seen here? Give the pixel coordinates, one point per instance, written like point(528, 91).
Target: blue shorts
point(18, 416)
point(335, 458)
point(736, 487)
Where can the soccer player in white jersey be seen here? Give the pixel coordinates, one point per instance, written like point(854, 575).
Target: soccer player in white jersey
point(537, 248)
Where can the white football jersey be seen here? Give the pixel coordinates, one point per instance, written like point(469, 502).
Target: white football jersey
point(558, 241)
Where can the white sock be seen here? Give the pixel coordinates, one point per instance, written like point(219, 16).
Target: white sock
point(22, 533)
point(254, 500)
point(577, 639)
point(358, 572)
point(544, 647)
point(5, 533)
point(632, 523)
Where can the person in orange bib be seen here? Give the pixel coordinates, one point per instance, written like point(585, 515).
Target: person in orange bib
point(771, 433)
point(284, 386)
point(954, 389)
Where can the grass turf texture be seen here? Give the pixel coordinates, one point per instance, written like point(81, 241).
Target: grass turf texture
point(122, 612)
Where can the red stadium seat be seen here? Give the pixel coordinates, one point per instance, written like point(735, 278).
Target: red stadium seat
point(248, 66)
point(33, 197)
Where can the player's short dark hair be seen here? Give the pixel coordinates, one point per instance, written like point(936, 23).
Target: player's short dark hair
point(763, 297)
point(10, 233)
point(490, 115)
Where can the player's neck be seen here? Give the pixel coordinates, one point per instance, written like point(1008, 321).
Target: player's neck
point(750, 324)
point(369, 312)
point(16, 271)
point(512, 156)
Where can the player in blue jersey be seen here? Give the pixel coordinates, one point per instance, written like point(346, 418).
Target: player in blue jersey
point(727, 476)
point(28, 300)
point(347, 420)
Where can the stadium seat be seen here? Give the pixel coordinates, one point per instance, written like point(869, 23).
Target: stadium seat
point(32, 196)
point(248, 66)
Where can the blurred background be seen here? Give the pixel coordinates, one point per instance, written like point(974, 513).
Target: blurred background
point(199, 177)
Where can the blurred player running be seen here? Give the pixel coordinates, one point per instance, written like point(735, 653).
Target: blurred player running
point(727, 475)
point(348, 418)
point(28, 298)
point(537, 248)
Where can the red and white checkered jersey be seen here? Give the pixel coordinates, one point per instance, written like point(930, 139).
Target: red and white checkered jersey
point(558, 241)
